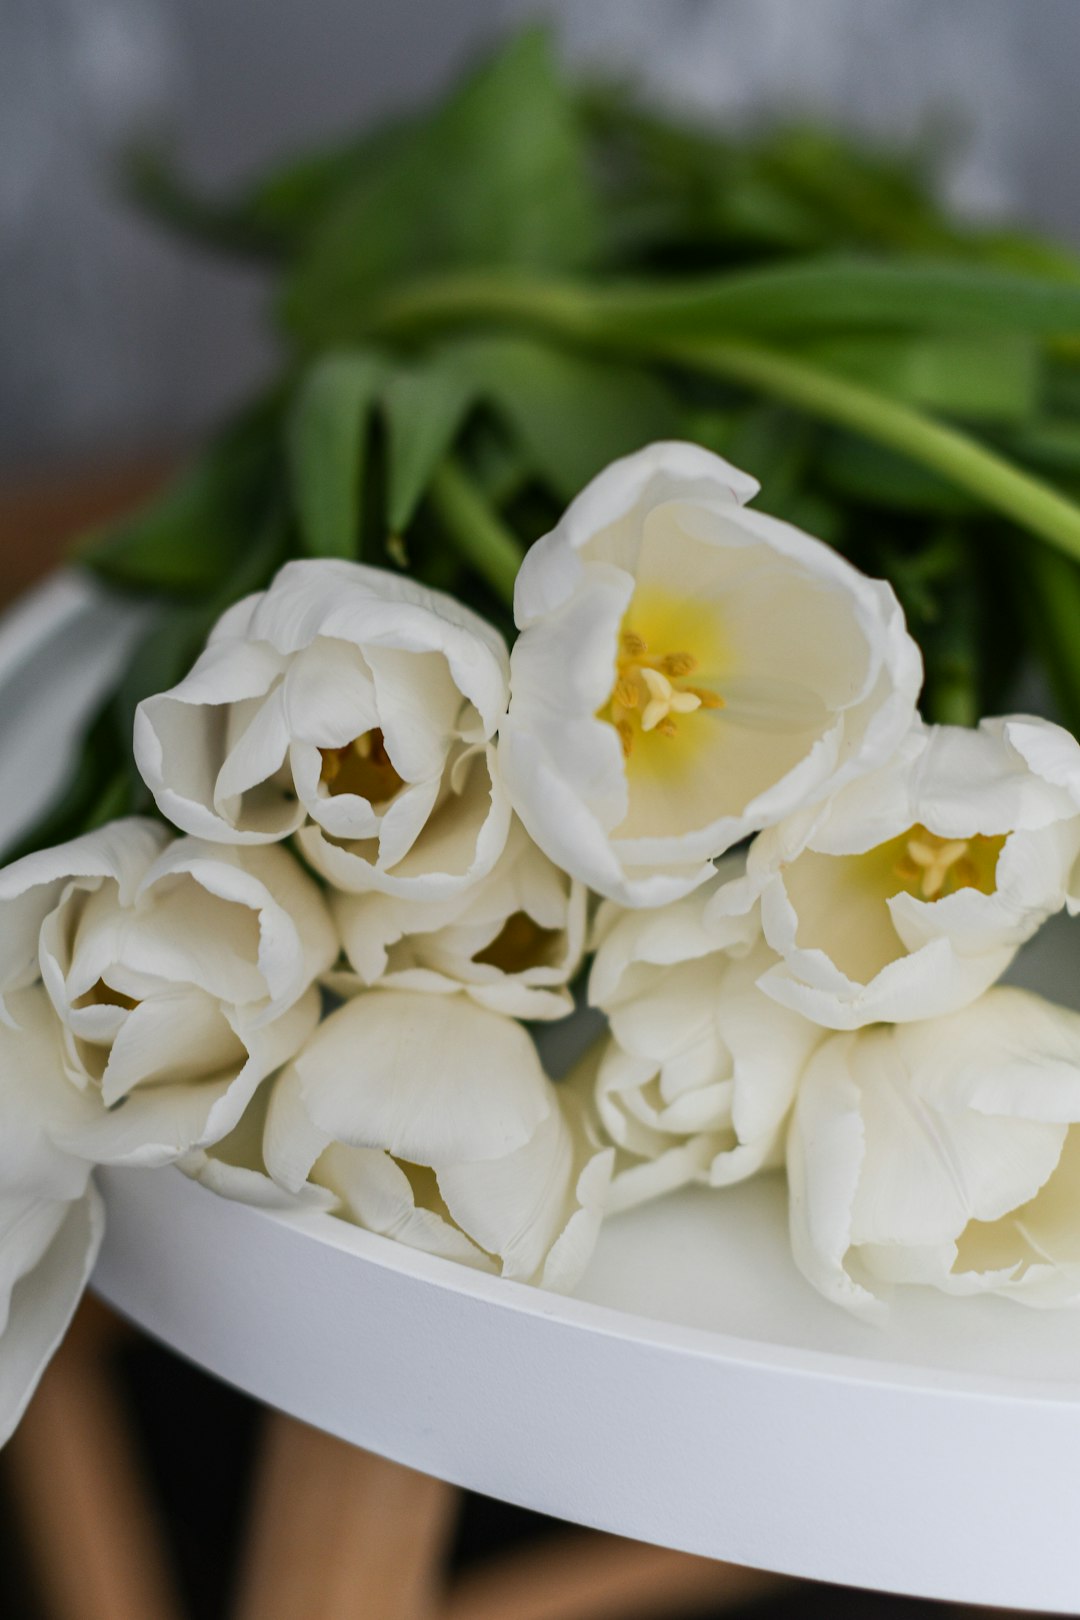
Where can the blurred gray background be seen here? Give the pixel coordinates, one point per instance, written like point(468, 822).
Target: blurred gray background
point(114, 340)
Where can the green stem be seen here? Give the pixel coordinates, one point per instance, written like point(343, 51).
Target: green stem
point(581, 317)
point(953, 454)
point(479, 535)
point(429, 307)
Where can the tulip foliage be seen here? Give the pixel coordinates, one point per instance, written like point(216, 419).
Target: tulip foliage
point(482, 305)
point(347, 828)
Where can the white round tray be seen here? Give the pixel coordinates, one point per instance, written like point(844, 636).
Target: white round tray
point(696, 1393)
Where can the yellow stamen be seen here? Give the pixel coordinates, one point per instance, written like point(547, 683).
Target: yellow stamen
point(676, 664)
point(931, 866)
point(645, 693)
point(627, 693)
point(362, 767)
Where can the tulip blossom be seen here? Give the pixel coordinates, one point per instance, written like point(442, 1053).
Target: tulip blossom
point(689, 671)
point(512, 942)
point(178, 976)
point(50, 1216)
point(352, 706)
point(697, 1077)
point(945, 1153)
point(909, 893)
point(430, 1119)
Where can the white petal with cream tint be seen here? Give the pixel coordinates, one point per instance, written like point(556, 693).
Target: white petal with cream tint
point(942, 1153)
point(512, 942)
point(699, 1071)
point(51, 1220)
point(431, 1121)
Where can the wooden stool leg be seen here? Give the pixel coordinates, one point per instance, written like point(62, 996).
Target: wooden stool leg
point(580, 1575)
point(340, 1534)
point(83, 1508)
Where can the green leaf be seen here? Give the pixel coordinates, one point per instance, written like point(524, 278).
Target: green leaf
point(495, 178)
point(423, 408)
point(325, 445)
point(843, 295)
point(572, 414)
point(990, 376)
point(187, 540)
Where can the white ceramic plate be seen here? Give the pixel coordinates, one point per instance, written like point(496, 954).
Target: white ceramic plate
point(696, 1392)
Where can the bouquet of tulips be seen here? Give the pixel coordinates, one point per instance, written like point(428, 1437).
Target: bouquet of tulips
point(345, 829)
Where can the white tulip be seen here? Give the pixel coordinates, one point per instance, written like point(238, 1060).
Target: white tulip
point(430, 1120)
point(688, 672)
point(51, 1219)
point(180, 975)
point(352, 706)
point(697, 1077)
point(512, 942)
point(945, 1153)
point(909, 893)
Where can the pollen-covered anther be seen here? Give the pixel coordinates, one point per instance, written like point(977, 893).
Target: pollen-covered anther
point(632, 644)
point(627, 692)
point(678, 664)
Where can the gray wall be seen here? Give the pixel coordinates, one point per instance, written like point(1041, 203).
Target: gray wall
point(112, 339)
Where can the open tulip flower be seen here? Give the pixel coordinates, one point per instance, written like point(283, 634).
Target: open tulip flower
point(689, 671)
point(512, 942)
point(909, 893)
point(431, 1120)
point(944, 1153)
point(699, 1072)
point(162, 979)
point(352, 706)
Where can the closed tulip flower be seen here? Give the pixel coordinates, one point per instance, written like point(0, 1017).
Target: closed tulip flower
point(168, 979)
point(348, 705)
point(942, 1153)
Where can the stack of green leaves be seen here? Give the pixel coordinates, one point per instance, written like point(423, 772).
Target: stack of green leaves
point(484, 304)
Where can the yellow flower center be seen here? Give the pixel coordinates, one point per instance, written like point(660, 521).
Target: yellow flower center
point(929, 866)
point(651, 690)
point(362, 767)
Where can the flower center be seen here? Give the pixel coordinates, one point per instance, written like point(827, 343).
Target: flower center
point(929, 866)
point(362, 767)
point(521, 943)
point(103, 995)
point(650, 691)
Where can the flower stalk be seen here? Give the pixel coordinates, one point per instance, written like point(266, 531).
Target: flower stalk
point(583, 317)
point(477, 533)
